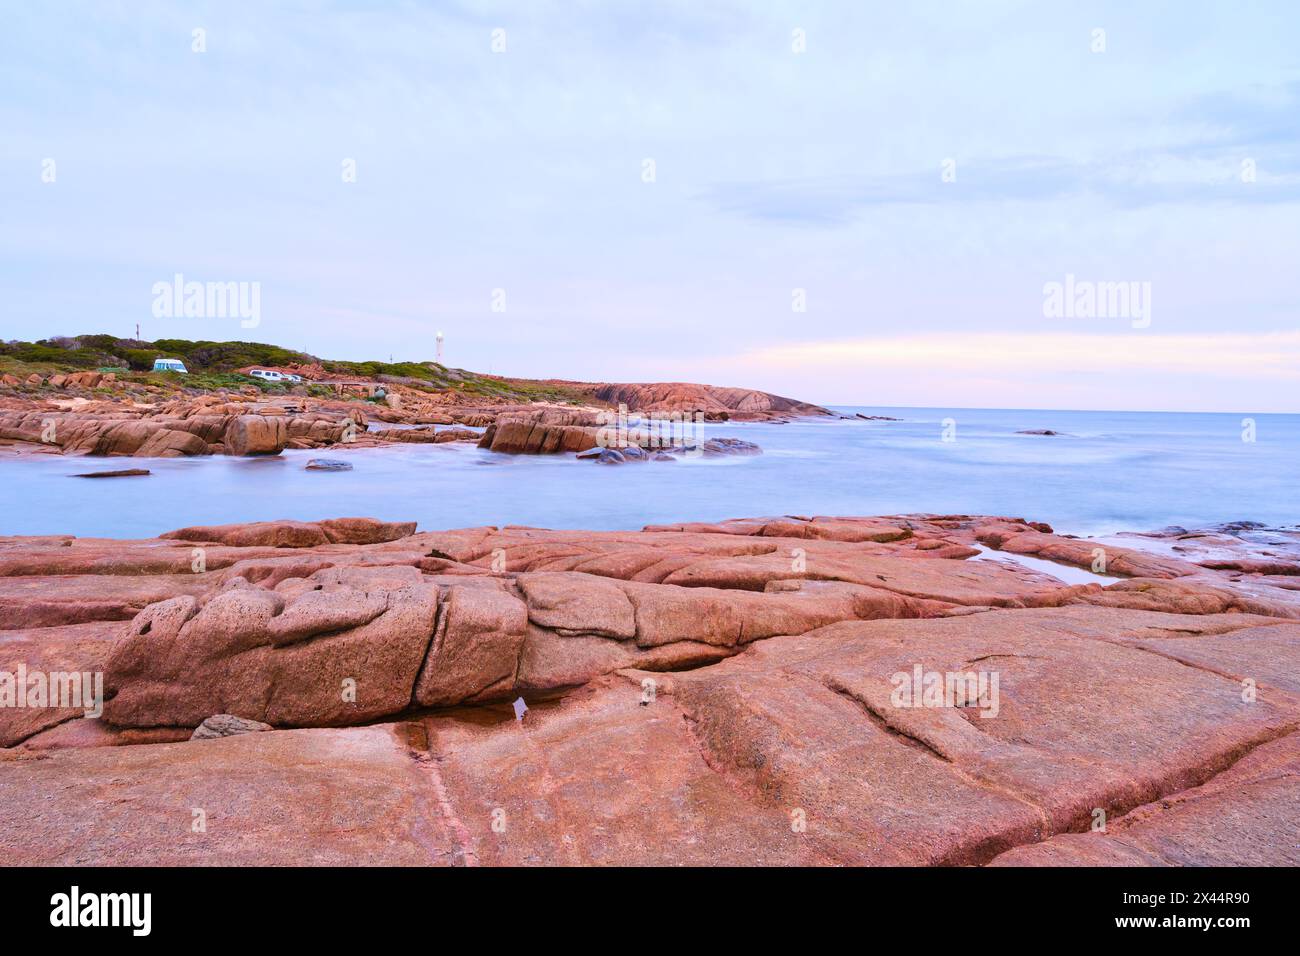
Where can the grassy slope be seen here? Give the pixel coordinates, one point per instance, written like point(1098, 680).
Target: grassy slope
point(212, 365)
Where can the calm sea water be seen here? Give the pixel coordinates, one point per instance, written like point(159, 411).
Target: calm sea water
point(1113, 471)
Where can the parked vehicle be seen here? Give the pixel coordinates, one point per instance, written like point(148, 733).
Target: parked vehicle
point(170, 365)
point(267, 375)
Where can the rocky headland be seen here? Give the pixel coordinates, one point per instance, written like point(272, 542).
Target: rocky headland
point(51, 403)
point(253, 424)
point(753, 691)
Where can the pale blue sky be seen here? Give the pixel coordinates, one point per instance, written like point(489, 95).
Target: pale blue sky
point(775, 171)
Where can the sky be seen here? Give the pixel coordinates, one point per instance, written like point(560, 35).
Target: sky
point(844, 202)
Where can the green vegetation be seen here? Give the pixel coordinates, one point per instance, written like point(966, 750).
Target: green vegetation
point(212, 365)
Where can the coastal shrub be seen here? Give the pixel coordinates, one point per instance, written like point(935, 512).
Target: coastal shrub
point(140, 360)
point(205, 359)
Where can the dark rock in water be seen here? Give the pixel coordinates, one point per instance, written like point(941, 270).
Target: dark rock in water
point(227, 725)
point(1232, 526)
point(615, 456)
point(124, 473)
point(1041, 431)
point(713, 448)
point(877, 418)
point(328, 464)
point(716, 447)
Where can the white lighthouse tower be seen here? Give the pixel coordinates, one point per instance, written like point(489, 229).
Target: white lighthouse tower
point(439, 341)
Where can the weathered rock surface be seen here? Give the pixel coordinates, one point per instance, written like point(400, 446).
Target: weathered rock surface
point(227, 725)
point(298, 534)
point(296, 798)
point(119, 473)
point(328, 464)
point(714, 401)
point(65, 648)
point(713, 448)
point(131, 419)
point(427, 435)
point(520, 437)
point(697, 693)
point(1246, 816)
point(605, 444)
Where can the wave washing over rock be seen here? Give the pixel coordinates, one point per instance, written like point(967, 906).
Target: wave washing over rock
point(802, 690)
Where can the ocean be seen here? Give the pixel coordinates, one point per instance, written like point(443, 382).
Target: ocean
point(1107, 472)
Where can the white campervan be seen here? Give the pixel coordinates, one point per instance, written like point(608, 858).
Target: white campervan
point(170, 365)
point(267, 375)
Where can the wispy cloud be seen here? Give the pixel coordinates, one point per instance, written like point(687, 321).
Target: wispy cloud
point(1209, 139)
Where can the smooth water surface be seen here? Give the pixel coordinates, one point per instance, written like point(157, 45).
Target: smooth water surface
point(1112, 471)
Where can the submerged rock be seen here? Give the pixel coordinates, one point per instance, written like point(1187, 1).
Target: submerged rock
point(716, 447)
point(122, 473)
point(328, 464)
point(713, 448)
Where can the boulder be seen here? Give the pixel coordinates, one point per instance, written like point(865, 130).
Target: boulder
point(475, 647)
point(719, 447)
point(365, 530)
point(297, 534)
point(272, 534)
point(343, 655)
point(255, 435)
point(166, 443)
point(328, 464)
point(520, 437)
point(227, 725)
point(89, 379)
